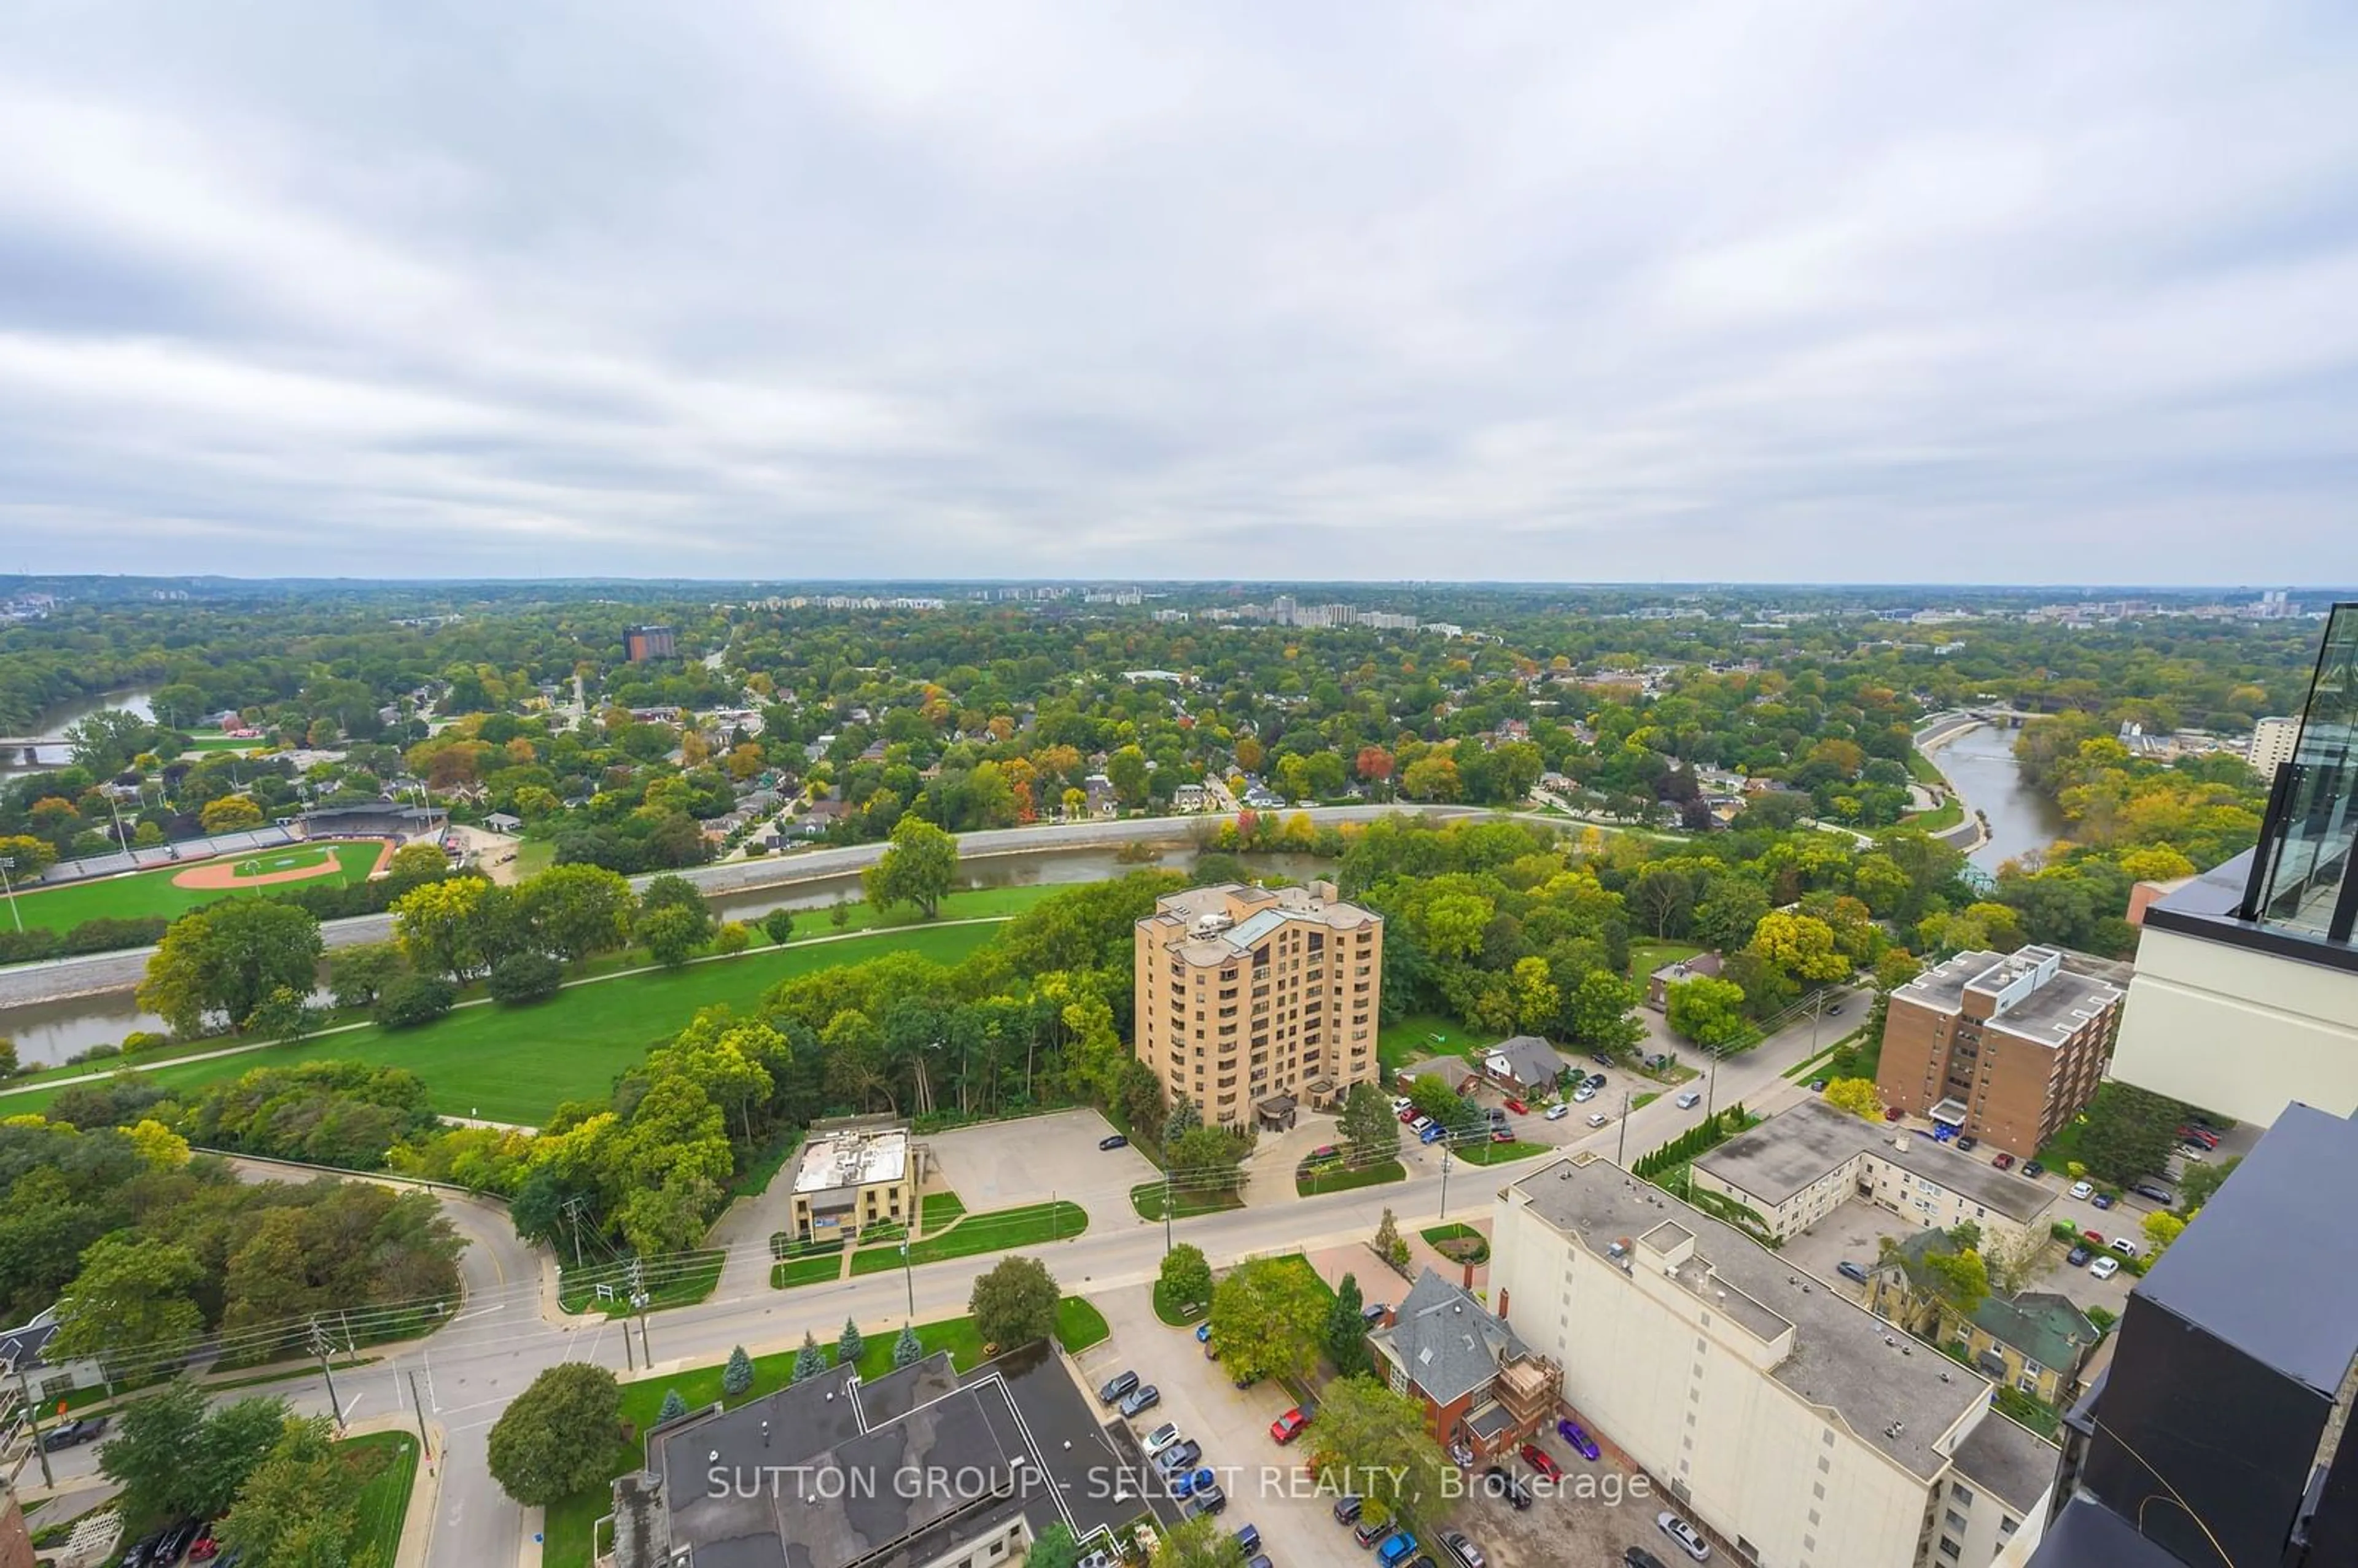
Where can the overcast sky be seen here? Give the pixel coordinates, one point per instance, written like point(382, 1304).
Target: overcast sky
point(1795, 292)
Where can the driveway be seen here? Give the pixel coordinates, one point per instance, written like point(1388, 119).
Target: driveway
point(1598, 1509)
point(1010, 1163)
point(1852, 1233)
point(1268, 1169)
point(1263, 1485)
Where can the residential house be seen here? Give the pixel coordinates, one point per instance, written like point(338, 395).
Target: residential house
point(502, 822)
point(1480, 1385)
point(2035, 1342)
point(1102, 800)
point(1659, 983)
point(1525, 1064)
point(24, 1354)
point(1191, 797)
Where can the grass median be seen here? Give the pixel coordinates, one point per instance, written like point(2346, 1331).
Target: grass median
point(1346, 1178)
point(390, 1460)
point(996, 1231)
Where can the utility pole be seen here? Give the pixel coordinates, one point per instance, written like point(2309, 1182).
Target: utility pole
point(573, 1208)
point(630, 1358)
point(1446, 1145)
point(425, 1446)
point(1711, 1091)
point(33, 1418)
point(909, 1273)
point(322, 1346)
point(639, 1305)
point(7, 864)
point(1621, 1149)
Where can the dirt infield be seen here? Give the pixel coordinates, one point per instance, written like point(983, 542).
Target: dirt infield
point(221, 875)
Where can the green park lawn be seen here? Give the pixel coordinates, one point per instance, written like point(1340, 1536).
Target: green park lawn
point(1644, 957)
point(385, 1500)
point(936, 1210)
point(568, 1524)
point(1147, 1199)
point(1422, 1034)
point(1498, 1153)
point(1438, 1234)
point(517, 1063)
point(996, 1231)
point(152, 893)
point(1344, 1178)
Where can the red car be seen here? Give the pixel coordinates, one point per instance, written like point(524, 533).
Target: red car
point(1541, 1460)
point(2004, 1161)
point(2202, 1135)
point(1518, 1108)
point(1288, 1427)
point(2094, 1238)
point(1408, 1116)
point(1894, 1114)
point(1500, 1135)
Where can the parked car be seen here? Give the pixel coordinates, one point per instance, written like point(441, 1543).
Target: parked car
point(2197, 1134)
point(1177, 1458)
point(1850, 1270)
point(2104, 1268)
point(1160, 1438)
point(1207, 1500)
point(2105, 1200)
point(1188, 1483)
point(1400, 1102)
point(1817, 1086)
point(1288, 1427)
point(1894, 1114)
point(1599, 1118)
point(1324, 1154)
point(1117, 1388)
point(1204, 1332)
point(1499, 1482)
point(1409, 1117)
point(1422, 1122)
point(2127, 1246)
point(1689, 1538)
point(73, 1433)
point(1541, 1460)
point(2154, 1192)
point(1434, 1132)
point(1518, 1107)
point(1583, 1094)
point(1373, 1312)
point(1638, 1557)
point(143, 1552)
point(2078, 1257)
point(177, 1541)
point(1558, 1110)
point(2084, 1191)
point(1602, 1058)
point(1396, 1550)
point(1688, 1099)
point(1368, 1532)
point(2002, 1161)
point(1967, 1142)
point(2094, 1238)
point(1347, 1511)
point(204, 1548)
point(1248, 1538)
point(1116, 1141)
point(1576, 1438)
point(1501, 1135)
point(1458, 1545)
point(1138, 1401)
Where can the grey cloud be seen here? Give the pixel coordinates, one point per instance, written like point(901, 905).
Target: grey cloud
point(1815, 290)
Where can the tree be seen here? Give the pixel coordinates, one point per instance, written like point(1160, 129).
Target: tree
point(738, 1375)
point(732, 939)
point(1346, 1331)
point(1206, 1160)
point(357, 976)
point(778, 926)
point(1708, 1011)
point(2161, 1229)
point(412, 999)
point(576, 911)
point(918, 868)
point(448, 927)
point(1370, 1129)
point(1858, 1095)
point(226, 959)
point(849, 1347)
point(674, 1407)
point(1800, 946)
point(1959, 1279)
point(1126, 771)
point(285, 1014)
point(2200, 1182)
point(907, 1348)
point(1184, 1117)
point(1187, 1276)
point(230, 813)
point(525, 977)
point(300, 1505)
point(2015, 1259)
point(1388, 1243)
point(2129, 1132)
point(1379, 1438)
point(129, 1294)
point(1537, 999)
point(173, 1455)
point(1015, 1303)
point(1199, 1542)
point(670, 934)
point(558, 1437)
point(1055, 1548)
point(1601, 1011)
point(1267, 1318)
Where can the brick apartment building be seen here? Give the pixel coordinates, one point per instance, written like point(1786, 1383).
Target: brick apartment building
point(2007, 1049)
point(1252, 995)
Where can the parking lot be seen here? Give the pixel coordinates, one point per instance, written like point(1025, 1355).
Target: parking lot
point(1008, 1163)
point(1853, 1233)
point(1596, 1511)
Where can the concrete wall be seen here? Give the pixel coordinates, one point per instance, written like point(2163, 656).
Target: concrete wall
point(2241, 1032)
point(1753, 1458)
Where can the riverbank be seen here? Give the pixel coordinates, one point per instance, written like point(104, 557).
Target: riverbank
point(1973, 832)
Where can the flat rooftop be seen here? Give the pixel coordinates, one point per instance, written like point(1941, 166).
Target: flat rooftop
point(1256, 911)
point(2010, 1461)
point(2284, 1218)
point(1796, 1149)
point(853, 1159)
point(2049, 1016)
point(1843, 1358)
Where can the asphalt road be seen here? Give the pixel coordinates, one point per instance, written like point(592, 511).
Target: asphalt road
point(57, 979)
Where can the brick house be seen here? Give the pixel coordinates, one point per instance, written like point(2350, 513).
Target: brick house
point(1480, 1385)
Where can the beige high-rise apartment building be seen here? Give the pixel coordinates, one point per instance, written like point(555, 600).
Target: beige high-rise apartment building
point(1245, 994)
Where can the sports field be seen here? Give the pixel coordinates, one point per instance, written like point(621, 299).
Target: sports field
point(155, 893)
point(507, 1063)
point(302, 858)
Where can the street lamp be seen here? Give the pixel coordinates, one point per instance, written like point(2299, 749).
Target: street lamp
point(908, 1272)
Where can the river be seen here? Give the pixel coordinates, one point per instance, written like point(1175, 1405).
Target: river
point(48, 1033)
point(1980, 764)
point(64, 717)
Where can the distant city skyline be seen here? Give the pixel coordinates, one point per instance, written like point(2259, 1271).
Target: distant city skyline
point(1327, 293)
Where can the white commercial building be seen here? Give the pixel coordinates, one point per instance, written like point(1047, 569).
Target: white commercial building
point(2272, 741)
point(1777, 1413)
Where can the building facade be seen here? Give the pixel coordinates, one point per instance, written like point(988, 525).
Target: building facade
point(641, 644)
point(2007, 1049)
point(1483, 1389)
point(1247, 994)
point(2273, 742)
point(1774, 1410)
point(2259, 956)
point(1802, 1164)
point(2034, 1342)
point(854, 1175)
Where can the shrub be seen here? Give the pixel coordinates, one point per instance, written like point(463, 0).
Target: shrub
point(732, 937)
point(778, 924)
point(525, 977)
point(412, 1000)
